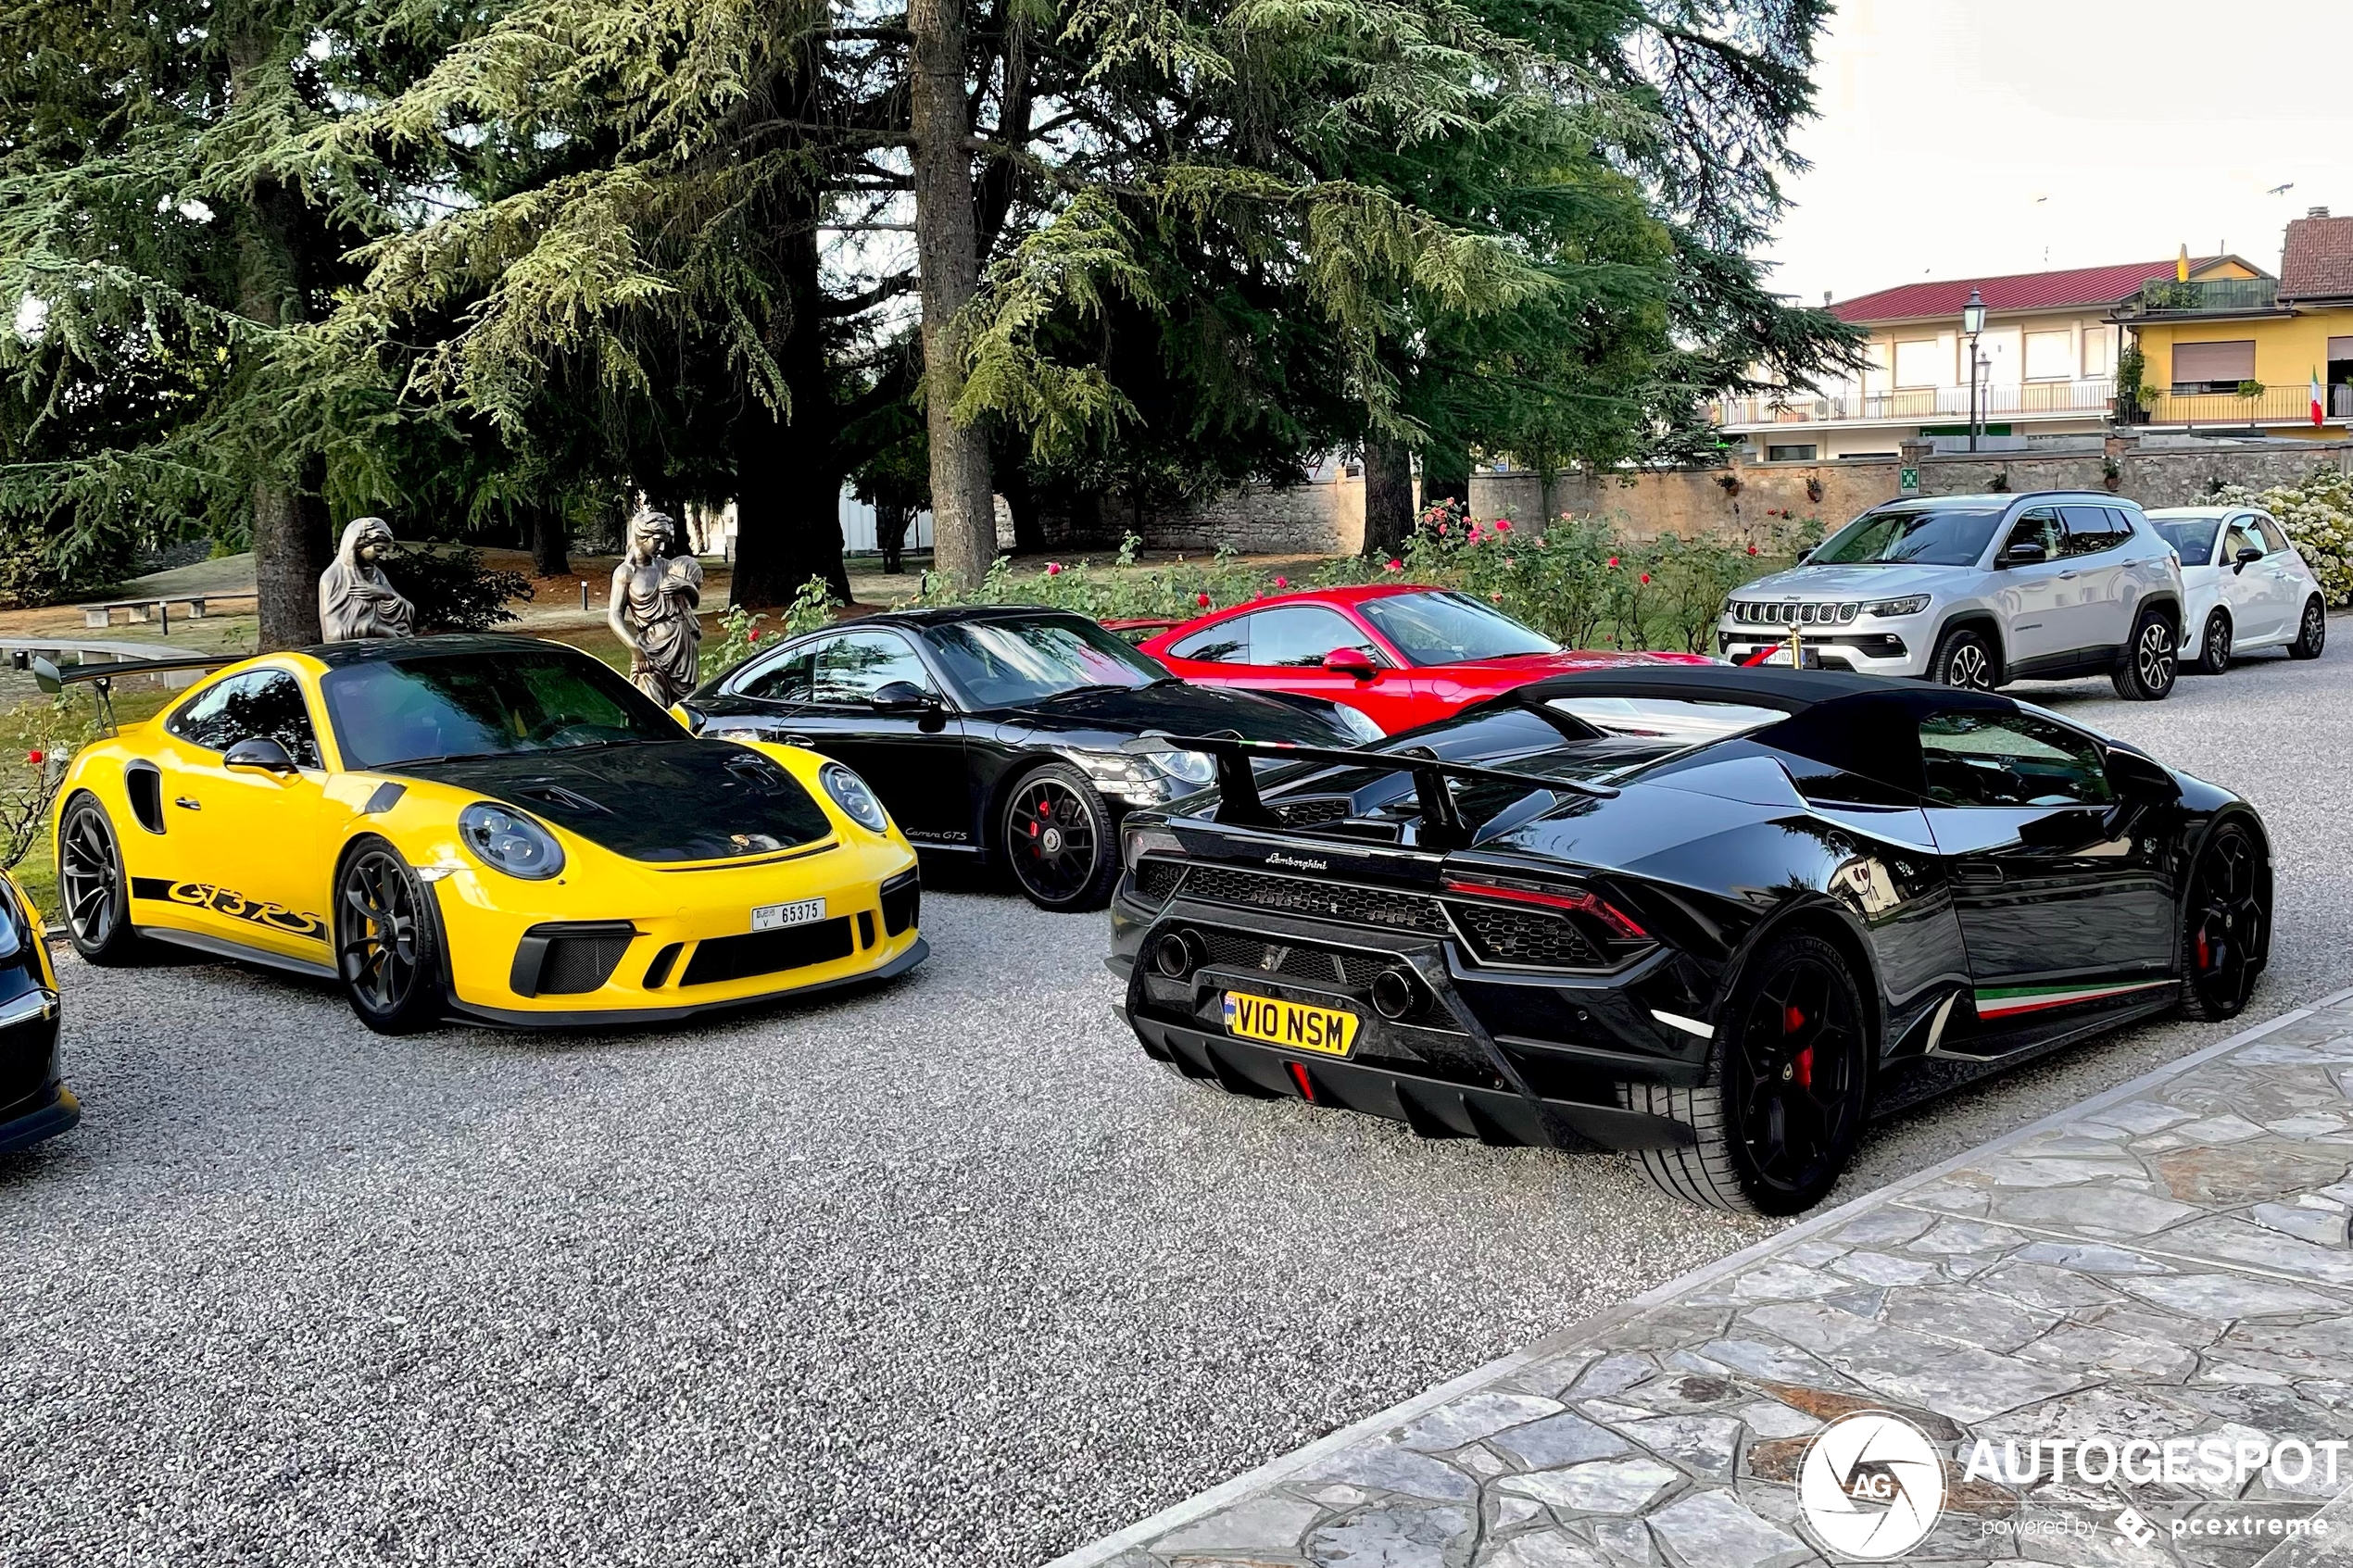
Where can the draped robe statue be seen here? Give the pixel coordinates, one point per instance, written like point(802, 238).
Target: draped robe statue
point(354, 597)
point(652, 610)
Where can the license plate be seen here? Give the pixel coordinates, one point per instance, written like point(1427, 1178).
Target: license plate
point(775, 917)
point(1294, 1025)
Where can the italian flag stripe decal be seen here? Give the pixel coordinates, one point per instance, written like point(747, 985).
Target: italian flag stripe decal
point(2008, 1002)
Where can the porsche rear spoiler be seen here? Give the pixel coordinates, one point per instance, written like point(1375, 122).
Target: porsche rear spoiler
point(100, 677)
point(1239, 802)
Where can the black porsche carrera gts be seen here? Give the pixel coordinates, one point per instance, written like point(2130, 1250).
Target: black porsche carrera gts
point(1704, 914)
point(1000, 731)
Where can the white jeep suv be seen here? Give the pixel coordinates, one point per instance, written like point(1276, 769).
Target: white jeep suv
point(1977, 591)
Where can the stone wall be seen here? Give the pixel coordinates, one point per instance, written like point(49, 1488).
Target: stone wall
point(1759, 500)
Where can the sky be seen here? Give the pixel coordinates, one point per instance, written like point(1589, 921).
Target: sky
point(1962, 138)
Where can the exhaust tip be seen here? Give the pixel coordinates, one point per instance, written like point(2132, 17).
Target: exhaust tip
point(1177, 954)
point(1395, 993)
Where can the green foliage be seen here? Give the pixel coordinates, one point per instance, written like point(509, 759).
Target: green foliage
point(453, 590)
point(35, 570)
point(741, 632)
point(2132, 377)
point(1577, 579)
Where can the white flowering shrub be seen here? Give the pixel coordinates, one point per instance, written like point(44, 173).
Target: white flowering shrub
point(2318, 515)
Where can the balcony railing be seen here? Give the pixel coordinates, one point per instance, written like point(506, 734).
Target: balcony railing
point(1936, 404)
point(2214, 296)
point(2273, 406)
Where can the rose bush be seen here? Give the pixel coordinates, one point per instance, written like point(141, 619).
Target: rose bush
point(2318, 514)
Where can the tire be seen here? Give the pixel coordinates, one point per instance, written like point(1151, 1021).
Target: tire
point(1795, 1022)
point(2214, 647)
point(387, 942)
point(1061, 840)
point(2146, 670)
point(92, 890)
point(2226, 924)
point(1965, 658)
point(2311, 631)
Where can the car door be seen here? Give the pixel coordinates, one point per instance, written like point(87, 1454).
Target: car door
point(2251, 588)
point(2095, 588)
point(2031, 592)
point(2286, 583)
point(1283, 649)
point(2064, 898)
point(914, 757)
point(248, 858)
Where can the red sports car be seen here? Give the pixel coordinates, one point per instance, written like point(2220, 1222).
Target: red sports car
point(1400, 652)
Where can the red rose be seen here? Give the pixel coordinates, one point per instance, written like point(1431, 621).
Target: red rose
point(1497, 598)
point(1646, 576)
point(755, 636)
point(1613, 564)
point(1053, 568)
point(36, 756)
point(1395, 565)
point(1202, 599)
point(1502, 525)
point(1282, 581)
point(1752, 549)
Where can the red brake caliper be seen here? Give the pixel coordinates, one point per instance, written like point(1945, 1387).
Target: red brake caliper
point(1793, 1020)
point(2203, 955)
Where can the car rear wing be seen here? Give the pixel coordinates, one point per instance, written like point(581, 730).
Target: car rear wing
point(100, 678)
point(1239, 802)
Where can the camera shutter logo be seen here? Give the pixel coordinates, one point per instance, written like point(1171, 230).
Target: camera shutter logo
point(1871, 1484)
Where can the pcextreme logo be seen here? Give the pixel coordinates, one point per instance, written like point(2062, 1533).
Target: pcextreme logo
point(1872, 1485)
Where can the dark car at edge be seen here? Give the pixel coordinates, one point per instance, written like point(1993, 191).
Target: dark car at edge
point(1708, 915)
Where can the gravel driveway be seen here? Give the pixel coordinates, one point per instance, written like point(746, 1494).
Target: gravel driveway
point(944, 1273)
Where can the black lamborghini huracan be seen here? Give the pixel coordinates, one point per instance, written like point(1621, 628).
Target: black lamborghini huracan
point(1700, 913)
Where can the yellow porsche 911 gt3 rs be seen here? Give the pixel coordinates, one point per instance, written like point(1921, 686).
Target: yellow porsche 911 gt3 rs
point(494, 828)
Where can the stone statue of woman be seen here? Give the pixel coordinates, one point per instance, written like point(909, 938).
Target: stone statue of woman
point(652, 609)
point(354, 597)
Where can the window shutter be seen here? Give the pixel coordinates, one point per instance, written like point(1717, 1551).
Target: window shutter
point(2214, 361)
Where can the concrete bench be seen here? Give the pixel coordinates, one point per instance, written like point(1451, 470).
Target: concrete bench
point(144, 609)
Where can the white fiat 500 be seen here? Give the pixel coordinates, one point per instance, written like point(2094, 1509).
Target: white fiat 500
point(2244, 584)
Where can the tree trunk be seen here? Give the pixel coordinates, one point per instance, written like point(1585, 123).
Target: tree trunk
point(963, 513)
point(890, 535)
point(1388, 497)
point(549, 557)
point(1446, 476)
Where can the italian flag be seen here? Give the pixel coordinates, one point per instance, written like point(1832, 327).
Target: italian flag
point(2319, 408)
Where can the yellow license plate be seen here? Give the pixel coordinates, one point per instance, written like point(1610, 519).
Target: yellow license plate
point(1295, 1025)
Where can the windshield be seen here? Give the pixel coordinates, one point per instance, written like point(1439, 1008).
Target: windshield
point(2192, 537)
point(1007, 664)
point(1910, 536)
point(395, 710)
point(1451, 629)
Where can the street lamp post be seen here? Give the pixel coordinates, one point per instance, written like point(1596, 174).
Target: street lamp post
point(1973, 323)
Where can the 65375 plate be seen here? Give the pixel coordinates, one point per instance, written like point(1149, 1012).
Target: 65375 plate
point(1297, 1026)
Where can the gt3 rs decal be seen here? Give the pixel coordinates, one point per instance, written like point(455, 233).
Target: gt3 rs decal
point(2008, 1002)
point(227, 901)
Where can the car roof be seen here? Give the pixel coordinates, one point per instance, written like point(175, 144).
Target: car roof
point(918, 618)
point(2005, 498)
point(374, 650)
point(2198, 512)
point(1792, 691)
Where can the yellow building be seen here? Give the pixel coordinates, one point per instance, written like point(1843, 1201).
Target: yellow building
point(2241, 353)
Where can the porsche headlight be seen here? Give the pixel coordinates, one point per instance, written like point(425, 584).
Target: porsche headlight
point(850, 792)
point(1355, 721)
point(1893, 607)
point(508, 841)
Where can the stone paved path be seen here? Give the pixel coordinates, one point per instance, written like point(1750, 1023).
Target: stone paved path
point(2168, 1261)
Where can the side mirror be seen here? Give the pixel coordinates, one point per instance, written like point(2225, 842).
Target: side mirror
point(2244, 558)
point(2025, 553)
point(2138, 779)
point(1351, 662)
point(1803, 556)
point(903, 696)
point(257, 754)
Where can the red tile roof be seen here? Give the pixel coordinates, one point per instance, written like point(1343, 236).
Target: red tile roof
point(2077, 287)
point(2317, 262)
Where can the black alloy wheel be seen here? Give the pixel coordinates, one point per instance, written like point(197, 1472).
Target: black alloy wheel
point(93, 888)
point(2214, 648)
point(1790, 1082)
point(1058, 836)
point(2145, 672)
point(1963, 660)
point(2311, 630)
point(2226, 925)
point(387, 942)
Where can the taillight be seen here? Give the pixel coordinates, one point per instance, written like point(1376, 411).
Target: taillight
point(1583, 902)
